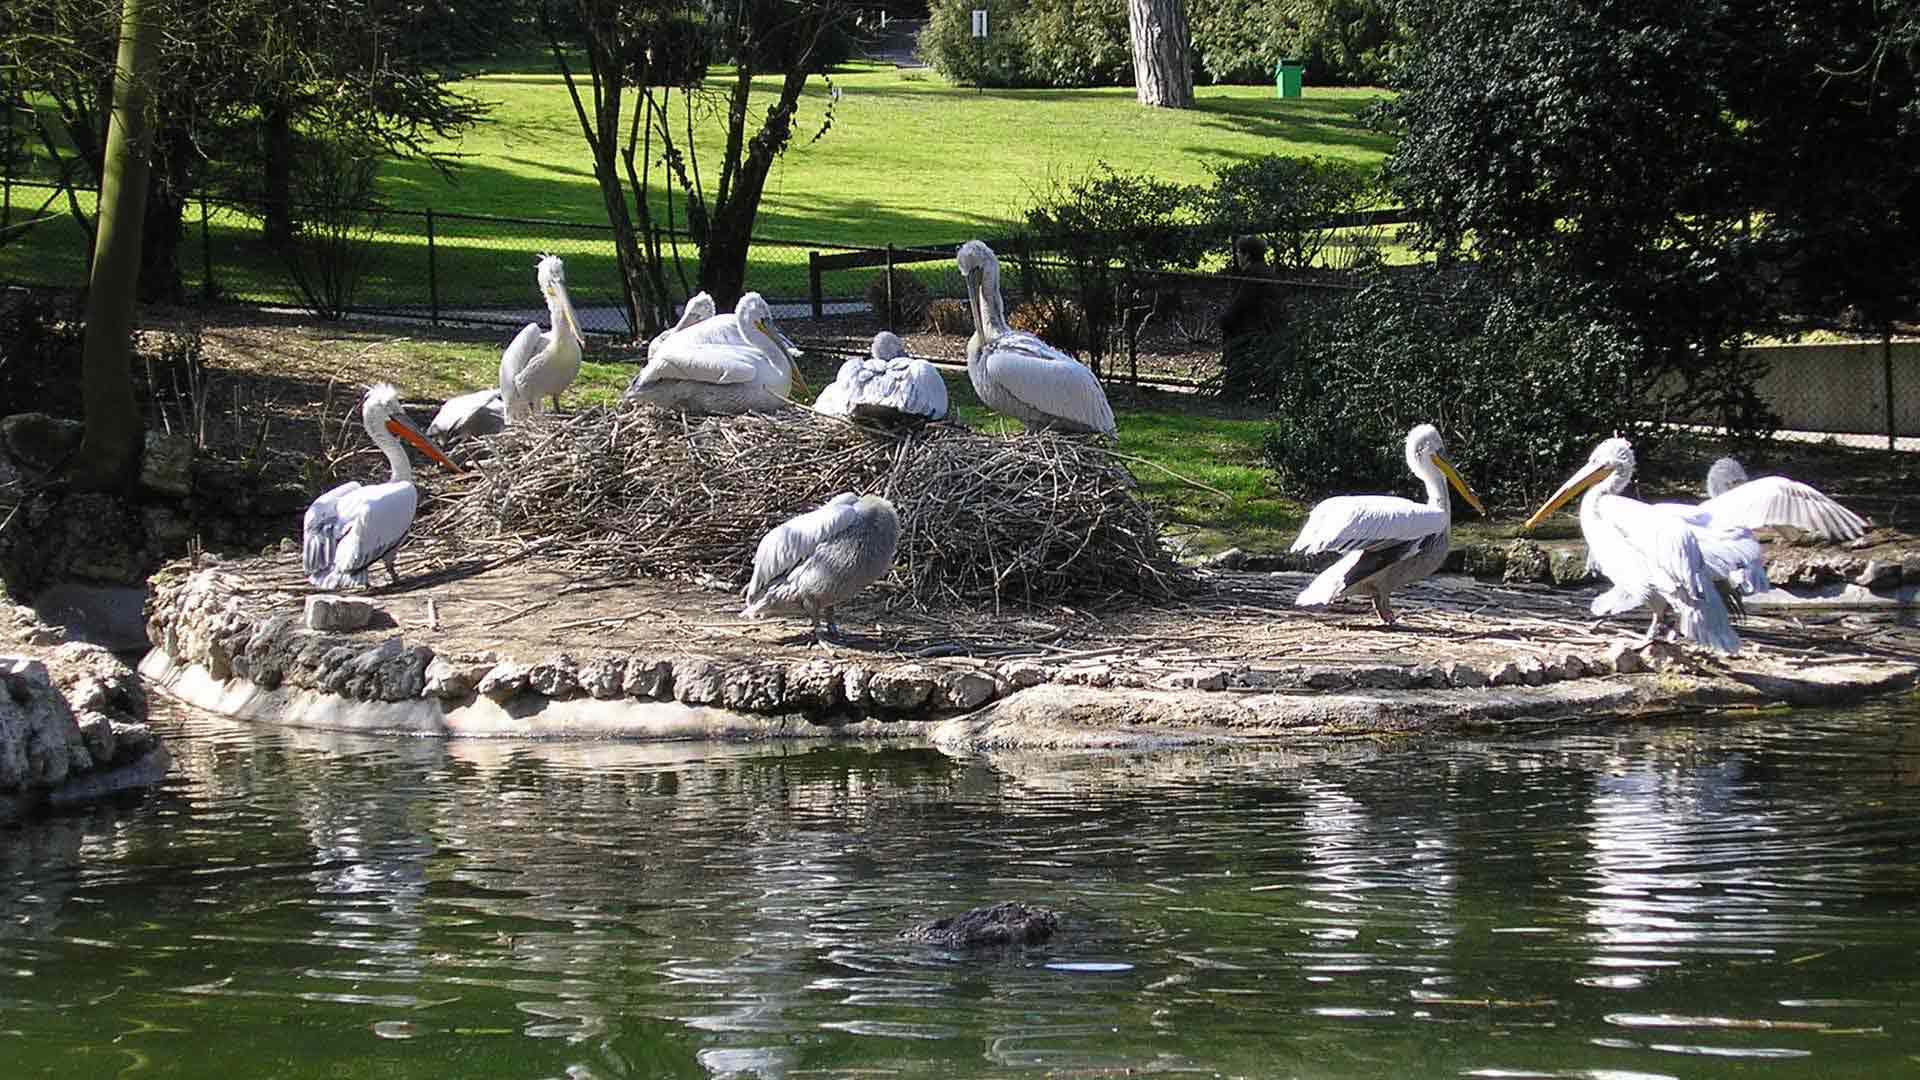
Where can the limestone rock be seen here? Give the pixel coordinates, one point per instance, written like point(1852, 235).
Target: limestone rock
point(330, 612)
point(94, 679)
point(1384, 677)
point(457, 676)
point(754, 687)
point(647, 678)
point(1485, 560)
point(555, 677)
point(1570, 666)
point(1526, 561)
point(1532, 671)
point(132, 741)
point(1021, 674)
point(697, 680)
point(902, 688)
point(1568, 566)
point(603, 676)
point(1507, 673)
point(1087, 675)
point(40, 744)
point(1910, 569)
point(39, 442)
point(814, 686)
point(1431, 676)
point(1880, 575)
point(96, 731)
point(1624, 659)
point(503, 680)
point(855, 683)
point(1327, 678)
point(1464, 675)
point(964, 690)
point(1195, 679)
point(1231, 559)
point(1002, 924)
point(166, 464)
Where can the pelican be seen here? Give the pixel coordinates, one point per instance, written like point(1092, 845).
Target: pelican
point(354, 525)
point(719, 377)
point(1389, 541)
point(819, 559)
point(537, 364)
point(888, 387)
point(1771, 502)
point(1018, 374)
point(698, 310)
point(483, 412)
point(730, 329)
point(1656, 557)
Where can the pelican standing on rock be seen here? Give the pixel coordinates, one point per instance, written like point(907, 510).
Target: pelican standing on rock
point(888, 387)
point(1771, 502)
point(720, 377)
point(543, 364)
point(1018, 374)
point(821, 558)
point(1389, 541)
point(1656, 557)
point(351, 527)
point(469, 416)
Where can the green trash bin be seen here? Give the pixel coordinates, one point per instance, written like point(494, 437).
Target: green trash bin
point(1286, 77)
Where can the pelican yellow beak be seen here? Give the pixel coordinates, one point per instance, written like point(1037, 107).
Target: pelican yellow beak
point(407, 431)
point(1453, 477)
point(1580, 482)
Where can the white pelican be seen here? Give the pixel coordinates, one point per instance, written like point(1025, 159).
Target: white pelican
point(483, 412)
point(720, 377)
point(537, 364)
point(1656, 557)
point(699, 309)
point(1389, 541)
point(1771, 502)
point(819, 559)
point(1018, 374)
point(889, 387)
point(731, 328)
point(354, 525)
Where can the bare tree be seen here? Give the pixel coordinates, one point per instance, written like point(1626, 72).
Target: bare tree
point(1162, 53)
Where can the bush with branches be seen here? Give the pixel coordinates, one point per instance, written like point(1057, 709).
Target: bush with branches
point(1288, 202)
point(1521, 391)
point(899, 299)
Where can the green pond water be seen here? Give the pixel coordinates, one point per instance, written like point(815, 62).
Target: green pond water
point(1727, 897)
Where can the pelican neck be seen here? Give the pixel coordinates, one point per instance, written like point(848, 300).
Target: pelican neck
point(398, 464)
point(1429, 474)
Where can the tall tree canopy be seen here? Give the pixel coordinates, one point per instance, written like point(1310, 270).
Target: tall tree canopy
point(1696, 171)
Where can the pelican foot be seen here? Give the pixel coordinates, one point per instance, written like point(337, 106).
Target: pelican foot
point(1383, 609)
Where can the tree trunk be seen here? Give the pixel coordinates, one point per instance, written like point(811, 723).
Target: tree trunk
point(110, 450)
point(723, 255)
point(1162, 68)
point(276, 201)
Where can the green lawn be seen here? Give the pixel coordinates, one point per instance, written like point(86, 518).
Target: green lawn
point(909, 161)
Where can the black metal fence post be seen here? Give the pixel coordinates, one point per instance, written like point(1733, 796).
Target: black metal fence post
point(813, 285)
point(433, 272)
point(890, 325)
point(1886, 360)
point(207, 284)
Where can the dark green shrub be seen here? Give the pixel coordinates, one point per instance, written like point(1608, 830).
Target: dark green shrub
point(909, 299)
point(1288, 201)
point(1519, 391)
point(1030, 43)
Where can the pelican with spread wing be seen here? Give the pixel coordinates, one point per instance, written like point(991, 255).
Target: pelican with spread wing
point(710, 374)
point(1015, 372)
point(820, 559)
point(1654, 556)
point(355, 525)
point(1771, 502)
point(1388, 541)
point(889, 387)
point(542, 364)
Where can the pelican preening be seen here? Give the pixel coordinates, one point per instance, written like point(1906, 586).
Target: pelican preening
point(469, 416)
point(1389, 541)
point(888, 387)
point(731, 328)
point(821, 558)
point(543, 364)
point(1656, 556)
point(351, 527)
point(1772, 502)
point(708, 372)
point(699, 308)
point(1018, 374)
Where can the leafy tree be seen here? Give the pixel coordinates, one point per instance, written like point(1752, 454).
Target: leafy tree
point(1693, 172)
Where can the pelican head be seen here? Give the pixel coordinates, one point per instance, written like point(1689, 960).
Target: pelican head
point(1724, 475)
point(1609, 468)
point(551, 273)
point(383, 415)
point(887, 346)
point(975, 257)
point(981, 270)
point(1423, 446)
point(753, 311)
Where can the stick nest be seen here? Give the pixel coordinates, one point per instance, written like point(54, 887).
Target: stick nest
point(640, 490)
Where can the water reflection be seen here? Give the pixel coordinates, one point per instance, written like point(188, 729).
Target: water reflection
point(1635, 902)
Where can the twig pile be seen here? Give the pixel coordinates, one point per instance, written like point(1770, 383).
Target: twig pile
point(638, 490)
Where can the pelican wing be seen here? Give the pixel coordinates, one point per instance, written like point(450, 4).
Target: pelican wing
point(322, 529)
point(350, 527)
point(1360, 522)
point(1049, 380)
point(836, 398)
point(717, 330)
point(482, 412)
point(791, 542)
point(1775, 501)
point(702, 362)
point(517, 355)
point(915, 386)
point(1645, 549)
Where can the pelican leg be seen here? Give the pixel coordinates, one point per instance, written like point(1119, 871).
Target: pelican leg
point(393, 575)
point(1382, 608)
point(556, 403)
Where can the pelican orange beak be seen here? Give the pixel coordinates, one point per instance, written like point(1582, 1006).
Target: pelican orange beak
point(1453, 477)
point(404, 428)
point(1580, 482)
